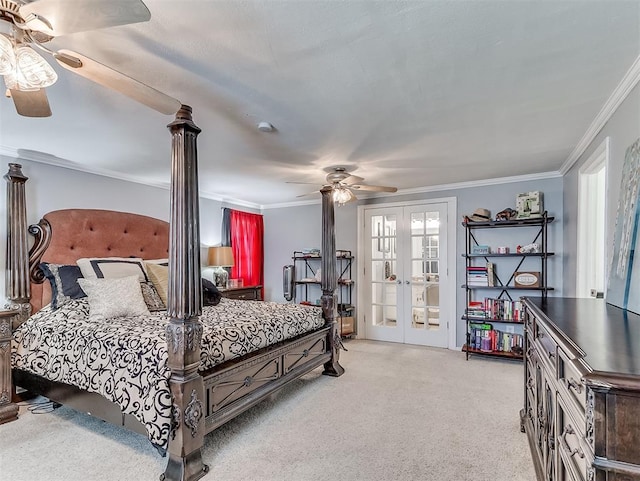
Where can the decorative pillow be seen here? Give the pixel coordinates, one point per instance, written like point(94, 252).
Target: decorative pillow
point(151, 297)
point(210, 294)
point(119, 297)
point(112, 267)
point(159, 276)
point(162, 262)
point(64, 282)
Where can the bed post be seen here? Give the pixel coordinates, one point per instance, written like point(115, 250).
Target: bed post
point(184, 331)
point(329, 281)
point(17, 285)
point(17, 288)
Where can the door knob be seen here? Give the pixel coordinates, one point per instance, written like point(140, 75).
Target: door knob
point(407, 282)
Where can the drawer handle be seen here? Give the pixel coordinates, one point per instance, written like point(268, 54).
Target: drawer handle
point(573, 384)
point(568, 429)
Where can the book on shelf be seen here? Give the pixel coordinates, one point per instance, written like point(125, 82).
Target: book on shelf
point(477, 276)
point(505, 309)
point(491, 276)
point(485, 338)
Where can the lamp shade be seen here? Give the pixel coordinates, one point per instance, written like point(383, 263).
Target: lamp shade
point(220, 256)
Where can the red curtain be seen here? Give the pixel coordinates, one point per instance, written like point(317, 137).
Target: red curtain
point(247, 232)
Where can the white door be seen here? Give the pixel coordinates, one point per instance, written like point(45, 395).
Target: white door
point(405, 274)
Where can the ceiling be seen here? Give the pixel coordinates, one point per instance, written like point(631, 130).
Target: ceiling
point(405, 93)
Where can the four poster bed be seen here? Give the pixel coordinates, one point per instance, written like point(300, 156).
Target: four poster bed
point(193, 368)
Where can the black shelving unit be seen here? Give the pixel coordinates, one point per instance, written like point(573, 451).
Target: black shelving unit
point(503, 292)
point(306, 267)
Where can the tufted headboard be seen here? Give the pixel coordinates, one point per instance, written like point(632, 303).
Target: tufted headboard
point(64, 236)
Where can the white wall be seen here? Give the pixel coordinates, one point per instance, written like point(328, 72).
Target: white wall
point(295, 228)
point(52, 188)
point(623, 129)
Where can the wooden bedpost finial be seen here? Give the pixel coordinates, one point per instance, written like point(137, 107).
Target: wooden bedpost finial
point(15, 173)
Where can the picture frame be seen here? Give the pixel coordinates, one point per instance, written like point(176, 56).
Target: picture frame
point(526, 279)
point(480, 249)
point(529, 205)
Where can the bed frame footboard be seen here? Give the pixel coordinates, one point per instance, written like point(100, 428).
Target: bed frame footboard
point(240, 385)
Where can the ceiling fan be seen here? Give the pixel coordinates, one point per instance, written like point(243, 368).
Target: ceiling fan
point(345, 185)
point(24, 26)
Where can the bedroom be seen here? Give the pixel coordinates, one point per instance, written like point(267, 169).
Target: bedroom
point(292, 227)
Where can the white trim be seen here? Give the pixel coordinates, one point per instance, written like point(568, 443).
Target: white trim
point(452, 249)
point(290, 204)
point(596, 161)
point(619, 94)
point(469, 184)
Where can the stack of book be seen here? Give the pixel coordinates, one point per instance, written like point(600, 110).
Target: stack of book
point(496, 309)
point(483, 337)
point(481, 276)
point(476, 310)
point(503, 309)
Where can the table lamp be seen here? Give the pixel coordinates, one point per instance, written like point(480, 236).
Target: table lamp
point(220, 257)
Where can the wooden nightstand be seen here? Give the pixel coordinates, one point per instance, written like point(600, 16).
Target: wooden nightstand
point(8, 409)
point(246, 293)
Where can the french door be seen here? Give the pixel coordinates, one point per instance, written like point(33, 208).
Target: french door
point(406, 274)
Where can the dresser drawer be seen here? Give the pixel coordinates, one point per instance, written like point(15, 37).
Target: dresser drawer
point(571, 445)
point(546, 349)
point(243, 293)
point(570, 382)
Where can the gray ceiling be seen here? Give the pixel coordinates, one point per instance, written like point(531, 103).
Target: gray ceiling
point(405, 93)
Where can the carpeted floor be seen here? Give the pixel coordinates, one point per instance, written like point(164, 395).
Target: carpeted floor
point(399, 413)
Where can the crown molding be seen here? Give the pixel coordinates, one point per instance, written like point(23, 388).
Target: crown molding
point(619, 94)
point(438, 188)
point(66, 164)
point(283, 205)
point(48, 159)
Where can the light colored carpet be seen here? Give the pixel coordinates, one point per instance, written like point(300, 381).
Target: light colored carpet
point(398, 413)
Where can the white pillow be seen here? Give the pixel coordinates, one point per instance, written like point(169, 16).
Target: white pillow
point(112, 267)
point(120, 297)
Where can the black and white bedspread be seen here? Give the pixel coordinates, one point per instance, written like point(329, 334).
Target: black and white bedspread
point(125, 359)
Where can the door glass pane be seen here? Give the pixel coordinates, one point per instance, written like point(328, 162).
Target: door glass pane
point(433, 306)
point(425, 251)
point(384, 296)
point(376, 315)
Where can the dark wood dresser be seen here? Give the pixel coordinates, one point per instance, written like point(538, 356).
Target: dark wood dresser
point(582, 390)
point(247, 293)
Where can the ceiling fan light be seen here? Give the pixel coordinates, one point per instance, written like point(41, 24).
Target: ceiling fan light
point(7, 56)
point(33, 70)
point(342, 195)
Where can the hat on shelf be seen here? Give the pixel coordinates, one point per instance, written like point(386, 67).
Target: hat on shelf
point(480, 215)
point(506, 214)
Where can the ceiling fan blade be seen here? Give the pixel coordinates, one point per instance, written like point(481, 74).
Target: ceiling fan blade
point(114, 80)
point(32, 103)
point(308, 193)
point(61, 17)
point(306, 183)
point(352, 179)
point(374, 188)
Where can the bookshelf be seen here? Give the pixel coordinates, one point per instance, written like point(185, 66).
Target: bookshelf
point(307, 285)
point(495, 278)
